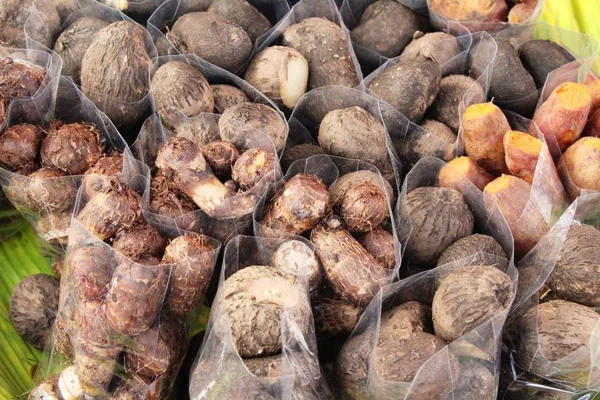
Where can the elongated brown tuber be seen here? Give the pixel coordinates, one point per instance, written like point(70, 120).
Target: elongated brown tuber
point(90, 269)
point(380, 243)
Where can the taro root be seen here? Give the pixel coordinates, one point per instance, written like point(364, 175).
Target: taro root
point(476, 382)
point(298, 206)
point(551, 332)
point(452, 90)
point(252, 166)
point(438, 140)
point(179, 85)
point(90, 269)
point(243, 14)
point(335, 317)
point(74, 41)
point(226, 96)
point(439, 217)
point(254, 299)
point(221, 156)
point(19, 146)
point(112, 209)
point(475, 249)
point(139, 241)
point(101, 174)
point(33, 308)
point(576, 274)
point(49, 191)
point(212, 38)
point(14, 15)
point(168, 202)
point(71, 148)
point(109, 84)
point(297, 259)
point(135, 389)
point(158, 352)
point(362, 204)
point(299, 152)
point(438, 46)
point(265, 367)
point(541, 57)
point(193, 259)
point(19, 78)
point(353, 272)
point(380, 243)
point(54, 228)
point(468, 297)
point(237, 121)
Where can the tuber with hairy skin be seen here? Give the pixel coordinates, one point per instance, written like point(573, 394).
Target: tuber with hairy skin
point(15, 14)
point(265, 367)
point(380, 243)
point(167, 201)
point(33, 308)
point(298, 206)
point(452, 173)
point(19, 147)
point(540, 57)
point(299, 152)
point(297, 259)
point(438, 46)
point(139, 241)
point(580, 165)
point(193, 259)
point(243, 14)
point(226, 96)
point(354, 274)
point(100, 175)
point(220, 156)
point(326, 48)
point(54, 228)
point(475, 249)
point(49, 191)
point(90, 270)
point(335, 317)
point(438, 141)
point(19, 78)
point(252, 166)
point(521, 153)
point(281, 73)
point(470, 10)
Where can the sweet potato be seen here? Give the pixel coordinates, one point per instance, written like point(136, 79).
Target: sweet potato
point(540, 57)
point(593, 125)
point(580, 166)
point(521, 153)
point(562, 117)
point(410, 86)
point(438, 141)
point(452, 90)
point(281, 73)
point(327, 50)
point(199, 33)
point(484, 127)
point(385, 27)
point(226, 96)
point(221, 157)
point(476, 249)
point(438, 46)
point(511, 194)
point(253, 166)
point(519, 13)
point(19, 147)
point(380, 243)
point(471, 10)
point(594, 84)
point(243, 14)
point(296, 258)
point(451, 174)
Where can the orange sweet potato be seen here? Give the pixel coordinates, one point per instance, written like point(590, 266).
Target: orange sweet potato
point(471, 10)
point(451, 174)
point(521, 153)
point(520, 12)
point(580, 166)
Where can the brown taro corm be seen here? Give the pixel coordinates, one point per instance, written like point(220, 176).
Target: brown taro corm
point(99, 176)
point(48, 191)
point(139, 241)
point(167, 201)
point(19, 79)
point(19, 147)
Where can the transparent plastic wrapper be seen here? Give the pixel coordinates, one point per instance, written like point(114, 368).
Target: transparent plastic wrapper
point(287, 330)
point(466, 366)
point(575, 370)
point(167, 14)
point(126, 311)
point(439, 22)
point(48, 199)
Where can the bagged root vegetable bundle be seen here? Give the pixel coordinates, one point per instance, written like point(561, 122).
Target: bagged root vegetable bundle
point(260, 341)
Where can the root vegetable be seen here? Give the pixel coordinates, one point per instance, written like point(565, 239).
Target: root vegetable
point(335, 317)
point(19, 146)
point(540, 57)
point(299, 152)
point(484, 127)
point(326, 48)
point(519, 13)
point(362, 204)
point(553, 331)
point(100, 175)
point(139, 241)
point(562, 117)
point(19, 78)
point(74, 41)
point(467, 298)
point(386, 27)
point(265, 367)
point(380, 243)
point(410, 86)
point(236, 121)
point(576, 275)
point(522, 152)
point(126, 81)
point(438, 46)
point(511, 195)
point(202, 33)
point(166, 201)
point(221, 156)
point(90, 269)
point(475, 382)
point(581, 162)
point(226, 96)
point(14, 15)
point(252, 167)
point(281, 73)
point(299, 205)
point(33, 308)
point(353, 272)
point(297, 259)
point(593, 125)
point(47, 390)
point(409, 317)
point(49, 192)
point(65, 8)
point(69, 386)
point(178, 85)
point(451, 174)
point(594, 84)
point(471, 10)
point(438, 141)
point(439, 217)
point(243, 14)
point(475, 249)
point(254, 299)
point(54, 228)
point(111, 210)
point(452, 90)
point(193, 260)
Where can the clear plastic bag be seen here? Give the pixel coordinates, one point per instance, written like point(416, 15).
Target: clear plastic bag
point(220, 372)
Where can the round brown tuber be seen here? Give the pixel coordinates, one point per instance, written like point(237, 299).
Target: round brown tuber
point(252, 166)
point(49, 191)
point(212, 38)
point(236, 121)
point(297, 259)
point(254, 299)
point(226, 96)
point(15, 14)
point(33, 308)
point(439, 217)
point(72, 148)
point(19, 78)
point(335, 317)
point(101, 174)
point(299, 152)
point(168, 202)
point(475, 249)
point(179, 85)
point(139, 241)
point(438, 46)
point(476, 382)
point(221, 156)
point(380, 244)
point(90, 269)
point(242, 13)
point(265, 367)
point(582, 163)
point(74, 41)
point(468, 297)
point(19, 146)
point(438, 141)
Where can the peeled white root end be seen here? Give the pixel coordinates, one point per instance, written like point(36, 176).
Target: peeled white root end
point(294, 86)
point(68, 384)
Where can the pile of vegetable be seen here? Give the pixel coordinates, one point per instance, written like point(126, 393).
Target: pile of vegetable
point(378, 199)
